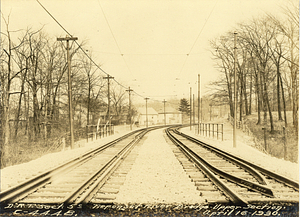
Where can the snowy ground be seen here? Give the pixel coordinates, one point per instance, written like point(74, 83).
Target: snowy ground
point(157, 176)
point(160, 177)
point(12, 175)
point(244, 150)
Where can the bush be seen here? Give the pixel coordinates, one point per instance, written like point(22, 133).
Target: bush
point(278, 141)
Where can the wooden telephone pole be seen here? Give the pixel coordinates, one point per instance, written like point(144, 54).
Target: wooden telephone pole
point(191, 108)
point(199, 104)
point(67, 38)
point(108, 103)
point(235, 93)
point(165, 111)
point(129, 92)
point(146, 111)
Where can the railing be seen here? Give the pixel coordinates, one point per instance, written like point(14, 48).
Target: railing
point(240, 125)
point(101, 130)
point(210, 129)
point(262, 144)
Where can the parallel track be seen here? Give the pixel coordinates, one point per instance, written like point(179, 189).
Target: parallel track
point(240, 180)
point(73, 182)
point(220, 177)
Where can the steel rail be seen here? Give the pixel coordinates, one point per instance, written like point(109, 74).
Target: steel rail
point(243, 182)
point(17, 192)
point(87, 196)
point(234, 196)
point(277, 177)
point(86, 188)
point(251, 170)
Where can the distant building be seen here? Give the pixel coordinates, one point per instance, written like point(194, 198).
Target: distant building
point(141, 117)
point(173, 116)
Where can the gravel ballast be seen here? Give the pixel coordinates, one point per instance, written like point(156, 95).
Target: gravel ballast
point(245, 149)
point(13, 175)
point(157, 176)
point(156, 184)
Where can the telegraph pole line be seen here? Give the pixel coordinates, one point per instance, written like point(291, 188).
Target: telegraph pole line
point(198, 103)
point(235, 94)
point(201, 105)
point(146, 112)
point(190, 108)
point(164, 111)
point(108, 100)
point(193, 109)
point(67, 39)
point(129, 92)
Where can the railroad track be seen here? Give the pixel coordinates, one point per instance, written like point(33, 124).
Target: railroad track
point(80, 179)
point(220, 176)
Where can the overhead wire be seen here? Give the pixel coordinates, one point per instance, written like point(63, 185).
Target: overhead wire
point(85, 53)
point(122, 55)
point(71, 36)
point(147, 54)
point(188, 54)
point(53, 17)
point(80, 47)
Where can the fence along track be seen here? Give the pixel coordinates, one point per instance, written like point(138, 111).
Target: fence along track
point(283, 188)
point(25, 188)
point(214, 162)
point(279, 178)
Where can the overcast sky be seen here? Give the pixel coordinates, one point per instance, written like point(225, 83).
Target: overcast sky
point(157, 47)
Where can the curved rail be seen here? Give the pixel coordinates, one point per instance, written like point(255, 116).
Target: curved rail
point(234, 196)
point(261, 188)
point(243, 162)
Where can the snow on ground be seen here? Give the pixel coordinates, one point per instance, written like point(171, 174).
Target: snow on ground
point(244, 150)
point(12, 175)
point(157, 176)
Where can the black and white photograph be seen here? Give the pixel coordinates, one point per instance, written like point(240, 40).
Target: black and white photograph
point(149, 108)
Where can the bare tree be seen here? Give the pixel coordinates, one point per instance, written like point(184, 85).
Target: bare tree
point(7, 75)
point(119, 102)
point(265, 48)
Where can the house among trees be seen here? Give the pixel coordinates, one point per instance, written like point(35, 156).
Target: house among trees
point(173, 116)
point(152, 116)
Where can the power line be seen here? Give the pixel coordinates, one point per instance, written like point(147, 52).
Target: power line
point(154, 54)
point(53, 18)
point(187, 55)
point(203, 27)
point(85, 53)
point(80, 47)
point(114, 37)
point(110, 27)
point(148, 54)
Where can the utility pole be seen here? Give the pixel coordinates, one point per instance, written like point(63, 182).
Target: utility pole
point(190, 108)
point(165, 111)
point(201, 104)
point(67, 38)
point(210, 111)
point(198, 103)
point(193, 109)
point(146, 112)
point(235, 94)
point(129, 92)
point(108, 98)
